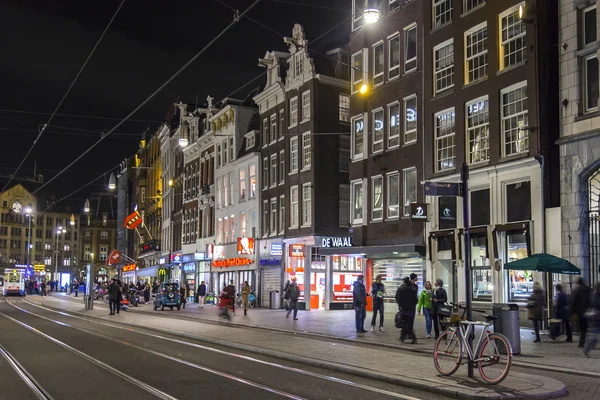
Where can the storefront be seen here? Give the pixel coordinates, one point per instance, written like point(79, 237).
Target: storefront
point(271, 271)
point(149, 275)
point(234, 263)
point(128, 273)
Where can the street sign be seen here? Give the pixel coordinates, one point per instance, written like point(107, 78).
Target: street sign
point(442, 189)
point(418, 212)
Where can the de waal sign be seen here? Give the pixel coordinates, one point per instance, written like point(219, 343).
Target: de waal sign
point(336, 242)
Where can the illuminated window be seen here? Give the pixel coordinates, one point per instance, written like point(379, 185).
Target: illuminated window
point(445, 146)
point(478, 130)
point(378, 127)
point(515, 131)
point(410, 119)
point(358, 130)
point(513, 45)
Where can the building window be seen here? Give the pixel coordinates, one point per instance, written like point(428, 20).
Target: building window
point(357, 11)
point(219, 151)
point(48, 260)
point(220, 230)
point(393, 195)
point(103, 253)
point(294, 154)
point(294, 218)
point(377, 198)
point(378, 63)
point(294, 111)
point(394, 56)
point(225, 153)
point(358, 72)
point(513, 47)
point(252, 181)
point(243, 224)
point(306, 151)
point(515, 130)
point(273, 175)
point(306, 105)
point(444, 66)
point(590, 82)
point(442, 12)
point(274, 216)
point(410, 119)
point(394, 125)
point(281, 123)
point(265, 222)
point(273, 128)
point(306, 204)
point(344, 161)
point(588, 30)
point(344, 108)
point(356, 193)
point(378, 126)
point(298, 65)
point(219, 193)
point(104, 235)
point(66, 247)
point(476, 53)
point(445, 140)
point(242, 184)
point(410, 189)
point(344, 206)
point(265, 177)
point(358, 130)
point(281, 167)
point(281, 214)
point(468, 5)
point(250, 141)
point(47, 246)
point(478, 130)
point(410, 48)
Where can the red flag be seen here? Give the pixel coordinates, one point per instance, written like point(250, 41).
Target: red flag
point(114, 258)
point(133, 220)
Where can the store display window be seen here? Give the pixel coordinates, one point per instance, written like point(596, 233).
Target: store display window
point(394, 271)
point(521, 282)
point(346, 270)
point(481, 268)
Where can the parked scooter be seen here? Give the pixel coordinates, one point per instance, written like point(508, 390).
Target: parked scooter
point(134, 298)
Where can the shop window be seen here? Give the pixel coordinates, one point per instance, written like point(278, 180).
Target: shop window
point(394, 271)
point(518, 202)
point(521, 282)
point(481, 268)
point(346, 270)
point(480, 207)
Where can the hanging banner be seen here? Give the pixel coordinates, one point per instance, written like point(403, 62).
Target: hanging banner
point(133, 220)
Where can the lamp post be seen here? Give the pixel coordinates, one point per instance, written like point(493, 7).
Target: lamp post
point(29, 213)
point(59, 230)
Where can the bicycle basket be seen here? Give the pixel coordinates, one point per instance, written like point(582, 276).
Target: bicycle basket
point(455, 317)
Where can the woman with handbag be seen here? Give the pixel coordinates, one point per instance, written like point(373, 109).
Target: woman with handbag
point(439, 297)
point(535, 307)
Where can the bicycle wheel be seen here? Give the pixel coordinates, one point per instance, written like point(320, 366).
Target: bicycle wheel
point(447, 353)
point(494, 358)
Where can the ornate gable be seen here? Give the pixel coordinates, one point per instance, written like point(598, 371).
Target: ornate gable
point(300, 66)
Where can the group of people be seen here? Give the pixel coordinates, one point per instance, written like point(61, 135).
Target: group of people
point(227, 297)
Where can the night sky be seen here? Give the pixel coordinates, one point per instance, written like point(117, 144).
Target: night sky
point(44, 43)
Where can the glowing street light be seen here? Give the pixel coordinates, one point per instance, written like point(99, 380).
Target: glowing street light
point(183, 141)
point(72, 220)
point(371, 15)
point(112, 182)
point(86, 207)
point(364, 89)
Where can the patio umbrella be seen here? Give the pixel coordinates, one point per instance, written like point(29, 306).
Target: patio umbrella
point(545, 263)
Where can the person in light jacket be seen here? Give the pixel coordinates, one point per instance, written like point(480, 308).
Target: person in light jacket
point(425, 305)
point(245, 296)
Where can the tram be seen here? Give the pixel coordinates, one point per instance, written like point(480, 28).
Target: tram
point(14, 281)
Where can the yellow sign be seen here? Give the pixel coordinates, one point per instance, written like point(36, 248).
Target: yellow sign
point(39, 267)
point(162, 272)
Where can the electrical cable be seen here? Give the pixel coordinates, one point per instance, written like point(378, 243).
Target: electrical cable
point(43, 128)
point(311, 5)
point(175, 75)
point(75, 116)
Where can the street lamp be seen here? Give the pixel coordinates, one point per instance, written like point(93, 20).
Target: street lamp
point(29, 213)
point(371, 13)
point(112, 182)
point(72, 220)
point(183, 141)
point(86, 207)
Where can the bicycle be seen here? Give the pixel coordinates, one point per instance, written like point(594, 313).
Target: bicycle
point(492, 350)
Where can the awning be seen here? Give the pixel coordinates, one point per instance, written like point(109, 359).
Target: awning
point(150, 271)
point(397, 250)
point(544, 263)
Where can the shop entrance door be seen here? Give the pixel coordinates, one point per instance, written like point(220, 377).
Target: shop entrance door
point(319, 279)
point(449, 274)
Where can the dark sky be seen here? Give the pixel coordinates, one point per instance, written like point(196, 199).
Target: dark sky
point(44, 43)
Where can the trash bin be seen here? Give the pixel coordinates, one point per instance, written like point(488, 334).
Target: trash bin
point(274, 299)
point(508, 324)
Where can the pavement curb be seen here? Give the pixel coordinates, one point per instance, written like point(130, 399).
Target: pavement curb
point(369, 374)
point(516, 362)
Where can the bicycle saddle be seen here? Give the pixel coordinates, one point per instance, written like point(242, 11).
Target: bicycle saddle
point(490, 317)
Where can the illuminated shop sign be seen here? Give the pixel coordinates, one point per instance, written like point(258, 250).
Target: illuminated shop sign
point(270, 262)
point(176, 258)
point(129, 267)
point(296, 250)
point(245, 246)
point(162, 261)
point(276, 249)
point(189, 267)
point(199, 256)
point(218, 252)
point(418, 212)
point(232, 262)
point(336, 242)
point(163, 272)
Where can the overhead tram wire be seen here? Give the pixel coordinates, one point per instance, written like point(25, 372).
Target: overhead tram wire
point(157, 91)
point(311, 5)
point(43, 128)
point(145, 121)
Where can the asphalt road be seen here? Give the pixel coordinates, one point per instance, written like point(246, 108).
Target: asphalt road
point(103, 361)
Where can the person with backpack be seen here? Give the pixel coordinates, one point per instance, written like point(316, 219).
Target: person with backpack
point(377, 292)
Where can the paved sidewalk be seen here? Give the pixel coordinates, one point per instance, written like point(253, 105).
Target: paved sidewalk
point(399, 367)
point(548, 355)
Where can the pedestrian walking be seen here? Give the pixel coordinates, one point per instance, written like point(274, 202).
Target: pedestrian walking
point(43, 288)
point(593, 316)
point(245, 296)
point(286, 300)
point(535, 309)
point(122, 291)
point(580, 302)
point(425, 305)
point(183, 293)
point(377, 293)
point(113, 296)
point(407, 299)
point(439, 297)
point(359, 302)
point(230, 293)
point(292, 293)
point(147, 290)
point(201, 294)
point(561, 310)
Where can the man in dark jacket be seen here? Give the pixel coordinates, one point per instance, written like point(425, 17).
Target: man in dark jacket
point(201, 294)
point(359, 301)
point(561, 303)
point(292, 293)
point(407, 299)
point(113, 296)
point(580, 302)
point(439, 297)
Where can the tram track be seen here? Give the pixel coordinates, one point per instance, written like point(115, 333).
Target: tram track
point(37, 390)
point(130, 330)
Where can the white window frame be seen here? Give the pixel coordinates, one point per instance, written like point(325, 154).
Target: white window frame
point(344, 112)
point(394, 70)
point(231, 149)
point(355, 155)
point(357, 20)
point(294, 207)
point(242, 183)
point(583, 13)
point(104, 235)
point(443, 73)
point(505, 14)
point(265, 173)
point(523, 131)
point(250, 176)
point(280, 134)
point(584, 83)
point(273, 127)
point(410, 64)
point(305, 106)
point(281, 167)
point(225, 152)
point(438, 139)
point(307, 205)
point(406, 208)
point(476, 57)
point(447, 14)
point(344, 206)
point(306, 151)
point(395, 4)
point(294, 156)
point(250, 140)
point(408, 140)
point(281, 228)
point(378, 78)
point(469, 5)
point(376, 211)
point(377, 145)
point(353, 185)
point(265, 218)
point(355, 72)
point(471, 156)
point(293, 111)
point(390, 214)
point(273, 221)
point(393, 136)
point(273, 166)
